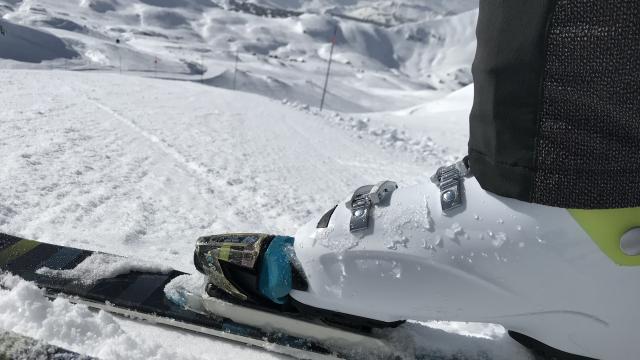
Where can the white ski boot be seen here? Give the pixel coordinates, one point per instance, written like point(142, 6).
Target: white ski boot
point(448, 250)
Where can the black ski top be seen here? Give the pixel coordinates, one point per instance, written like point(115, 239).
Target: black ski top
point(556, 115)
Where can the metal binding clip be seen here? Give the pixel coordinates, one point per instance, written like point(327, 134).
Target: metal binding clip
point(450, 181)
point(364, 199)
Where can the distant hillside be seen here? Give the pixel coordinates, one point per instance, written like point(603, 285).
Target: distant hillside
point(411, 50)
point(394, 12)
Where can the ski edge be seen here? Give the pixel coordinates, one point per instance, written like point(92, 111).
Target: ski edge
point(176, 324)
point(347, 344)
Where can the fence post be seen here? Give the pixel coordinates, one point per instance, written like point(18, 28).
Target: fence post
point(235, 70)
point(326, 79)
point(119, 54)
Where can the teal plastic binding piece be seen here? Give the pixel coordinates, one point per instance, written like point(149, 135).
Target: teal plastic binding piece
point(276, 277)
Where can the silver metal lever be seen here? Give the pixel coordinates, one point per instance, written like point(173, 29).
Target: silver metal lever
point(364, 199)
point(450, 180)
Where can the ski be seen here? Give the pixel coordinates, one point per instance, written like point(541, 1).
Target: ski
point(140, 294)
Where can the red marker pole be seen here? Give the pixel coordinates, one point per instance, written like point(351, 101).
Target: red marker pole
point(326, 79)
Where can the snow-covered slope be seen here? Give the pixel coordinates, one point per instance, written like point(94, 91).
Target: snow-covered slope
point(388, 12)
point(32, 46)
point(280, 54)
point(175, 160)
point(142, 167)
point(444, 119)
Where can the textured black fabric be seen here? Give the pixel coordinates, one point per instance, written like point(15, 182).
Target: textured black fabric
point(556, 116)
point(507, 70)
point(588, 147)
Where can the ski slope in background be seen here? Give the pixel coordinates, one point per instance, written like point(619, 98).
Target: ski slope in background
point(142, 163)
point(280, 54)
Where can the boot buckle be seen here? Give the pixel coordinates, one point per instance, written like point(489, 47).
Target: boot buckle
point(363, 201)
point(450, 180)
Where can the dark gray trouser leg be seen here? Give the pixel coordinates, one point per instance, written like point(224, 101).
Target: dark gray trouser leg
point(556, 117)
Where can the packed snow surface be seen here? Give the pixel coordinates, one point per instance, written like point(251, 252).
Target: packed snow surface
point(104, 266)
point(144, 146)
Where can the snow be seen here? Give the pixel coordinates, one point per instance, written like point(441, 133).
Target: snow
point(142, 163)
point(25, 310)
point(16, 347)
point(177, 288)
point(103, 266)
point(32, 46)
point(385, 12)
point(377, 68)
